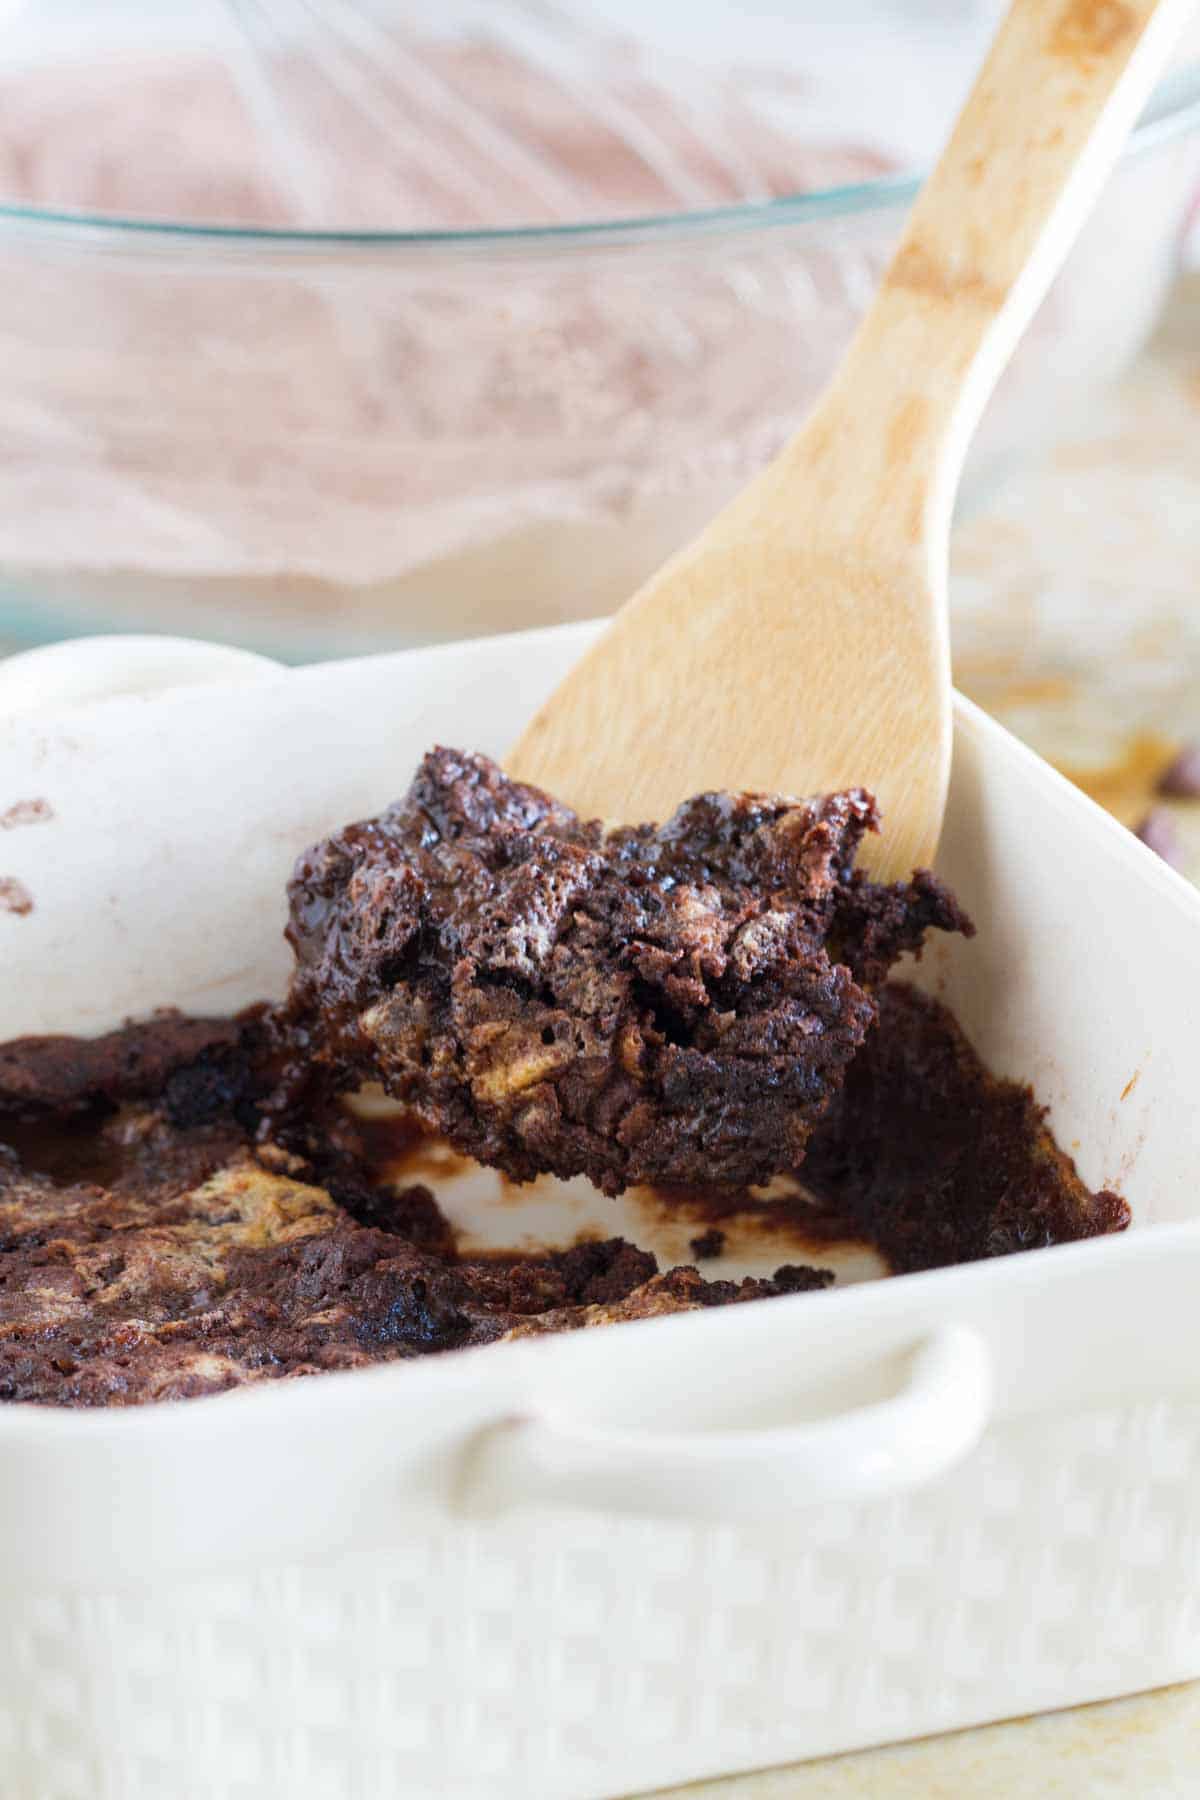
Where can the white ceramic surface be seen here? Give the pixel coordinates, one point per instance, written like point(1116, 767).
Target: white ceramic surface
point(394, 1581)
point(80, 670)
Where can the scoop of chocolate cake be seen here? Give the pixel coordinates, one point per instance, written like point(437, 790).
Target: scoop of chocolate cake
point(674, 1003)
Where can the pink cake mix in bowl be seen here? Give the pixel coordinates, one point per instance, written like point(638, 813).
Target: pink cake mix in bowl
point(327, 327)
point(478, 136)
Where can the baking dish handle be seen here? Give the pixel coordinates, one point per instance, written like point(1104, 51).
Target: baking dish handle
point(78, 671)
point(936, 1417)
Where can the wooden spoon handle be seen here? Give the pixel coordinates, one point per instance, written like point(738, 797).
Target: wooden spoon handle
point(984, 240)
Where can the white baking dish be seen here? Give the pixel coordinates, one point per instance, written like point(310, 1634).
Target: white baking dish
point(597, 1564)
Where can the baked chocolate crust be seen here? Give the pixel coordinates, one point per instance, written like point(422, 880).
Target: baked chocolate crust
point(638, 1005)
point(198, 1267)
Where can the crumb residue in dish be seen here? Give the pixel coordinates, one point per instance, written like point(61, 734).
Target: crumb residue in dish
point(15, 897)
point(25, 812)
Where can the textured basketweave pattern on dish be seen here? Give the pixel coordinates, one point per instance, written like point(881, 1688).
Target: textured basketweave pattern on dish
point(1059, 1563)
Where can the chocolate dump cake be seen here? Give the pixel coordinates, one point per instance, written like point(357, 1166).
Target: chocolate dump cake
point(643, 1004)
point(190, 1205)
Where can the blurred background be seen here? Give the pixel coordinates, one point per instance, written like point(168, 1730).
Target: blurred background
point(329, 326)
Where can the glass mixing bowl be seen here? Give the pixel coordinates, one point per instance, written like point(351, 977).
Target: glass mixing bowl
point(314, 441)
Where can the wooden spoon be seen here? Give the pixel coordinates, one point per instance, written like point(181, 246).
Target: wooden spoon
point(799, 645)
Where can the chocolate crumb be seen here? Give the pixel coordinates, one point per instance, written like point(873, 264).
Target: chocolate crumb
point(1180, 780)
point(710, 1243)
point(1157, 831)
point(800, 1278)
point(15, 897)
point(25, 812)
